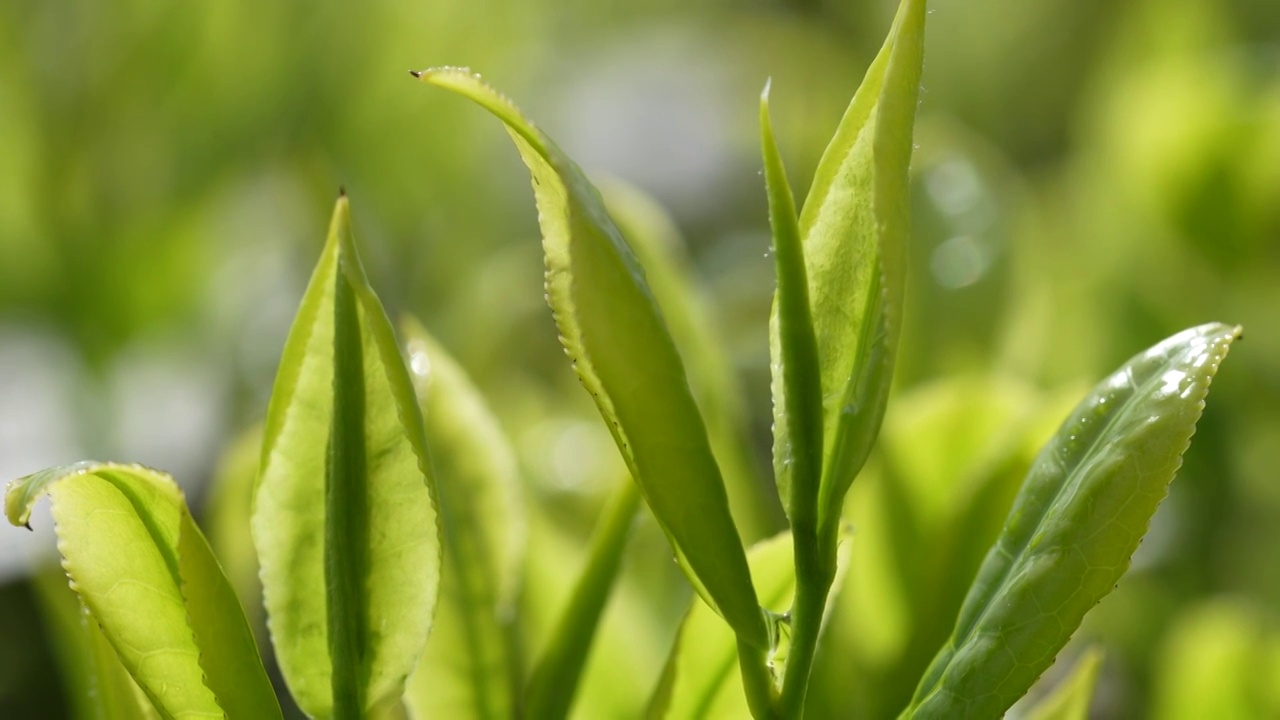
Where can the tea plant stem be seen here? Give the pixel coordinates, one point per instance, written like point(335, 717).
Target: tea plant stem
point(757, 682)
point(814, 573)
point(555, 679)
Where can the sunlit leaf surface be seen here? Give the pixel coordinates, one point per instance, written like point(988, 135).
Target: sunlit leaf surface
point(344, 519)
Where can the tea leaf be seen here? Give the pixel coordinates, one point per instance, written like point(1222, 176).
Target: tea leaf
point(1070, 699)
point(612, 329)
point(854, 227)
point(147, 576)
point(466, 671)
point(712, 377)
point(344, 515)
point(797, 345)
point(551, 689)
point(1081, 513)
point(97, 685)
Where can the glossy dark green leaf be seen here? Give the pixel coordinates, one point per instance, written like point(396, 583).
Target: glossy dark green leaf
point(621, 349)
point(466, 671)
point(854, 228)
point(147, 576)
point(344, 516)
point(1077, 520)
point(1071, 698)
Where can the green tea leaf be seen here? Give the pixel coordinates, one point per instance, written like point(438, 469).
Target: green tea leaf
point(1070, 699)
point(1081, 513)
point(466, 671)
point(797, 345)
point(621, 349)
point(147, 576)
point(685, 305)
point(344, 515)
point(555, 678)
point(97, 686)
point(854, 227)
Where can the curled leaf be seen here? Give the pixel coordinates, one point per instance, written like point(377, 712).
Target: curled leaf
point(612, 329)
point(147, 576)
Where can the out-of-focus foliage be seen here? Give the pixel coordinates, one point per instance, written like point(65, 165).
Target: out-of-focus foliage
point(1090, 176)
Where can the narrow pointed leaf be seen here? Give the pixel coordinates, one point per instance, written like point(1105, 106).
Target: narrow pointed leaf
point(854, 227)
point(1081, 513)
point(555, 678)
point(625, 357)
point(797, 346)
point(1071, 698)
point(344, 516)
point(686, 306)
point(466, 671)
point(147, 576)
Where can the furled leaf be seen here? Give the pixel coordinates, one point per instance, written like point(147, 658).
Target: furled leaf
point(466, 671)
point(658, 246)
point(797, 346)
point(1070, 699)
point(854, 228)
point(625, 357)
point(1081, 513)
point(147, 576)
point(97, 686)
point(700, 680)
point(555, 678)
point(344, 516)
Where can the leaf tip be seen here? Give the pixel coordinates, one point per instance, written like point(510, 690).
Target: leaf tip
point(342, 191)
point(416, 73)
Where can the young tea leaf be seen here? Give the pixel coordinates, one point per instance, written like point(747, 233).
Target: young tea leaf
point(147, 576)
point(797, 346)
point(466, 671)
point(96, 684)
point(555, 678)
point(652, 234)
point(344, 515)
point(854, 228)
point(625, 357)
point(1081, 513)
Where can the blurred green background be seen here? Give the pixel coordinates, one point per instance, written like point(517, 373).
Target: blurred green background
point(1090, 177)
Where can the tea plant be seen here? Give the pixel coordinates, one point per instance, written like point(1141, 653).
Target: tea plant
point(385, 512)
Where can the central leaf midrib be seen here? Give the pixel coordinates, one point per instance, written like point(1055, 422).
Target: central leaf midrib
point(345, 526)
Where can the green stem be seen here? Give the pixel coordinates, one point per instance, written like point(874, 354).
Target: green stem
point(815, 569)
point(555, 678)
point(762, 699)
